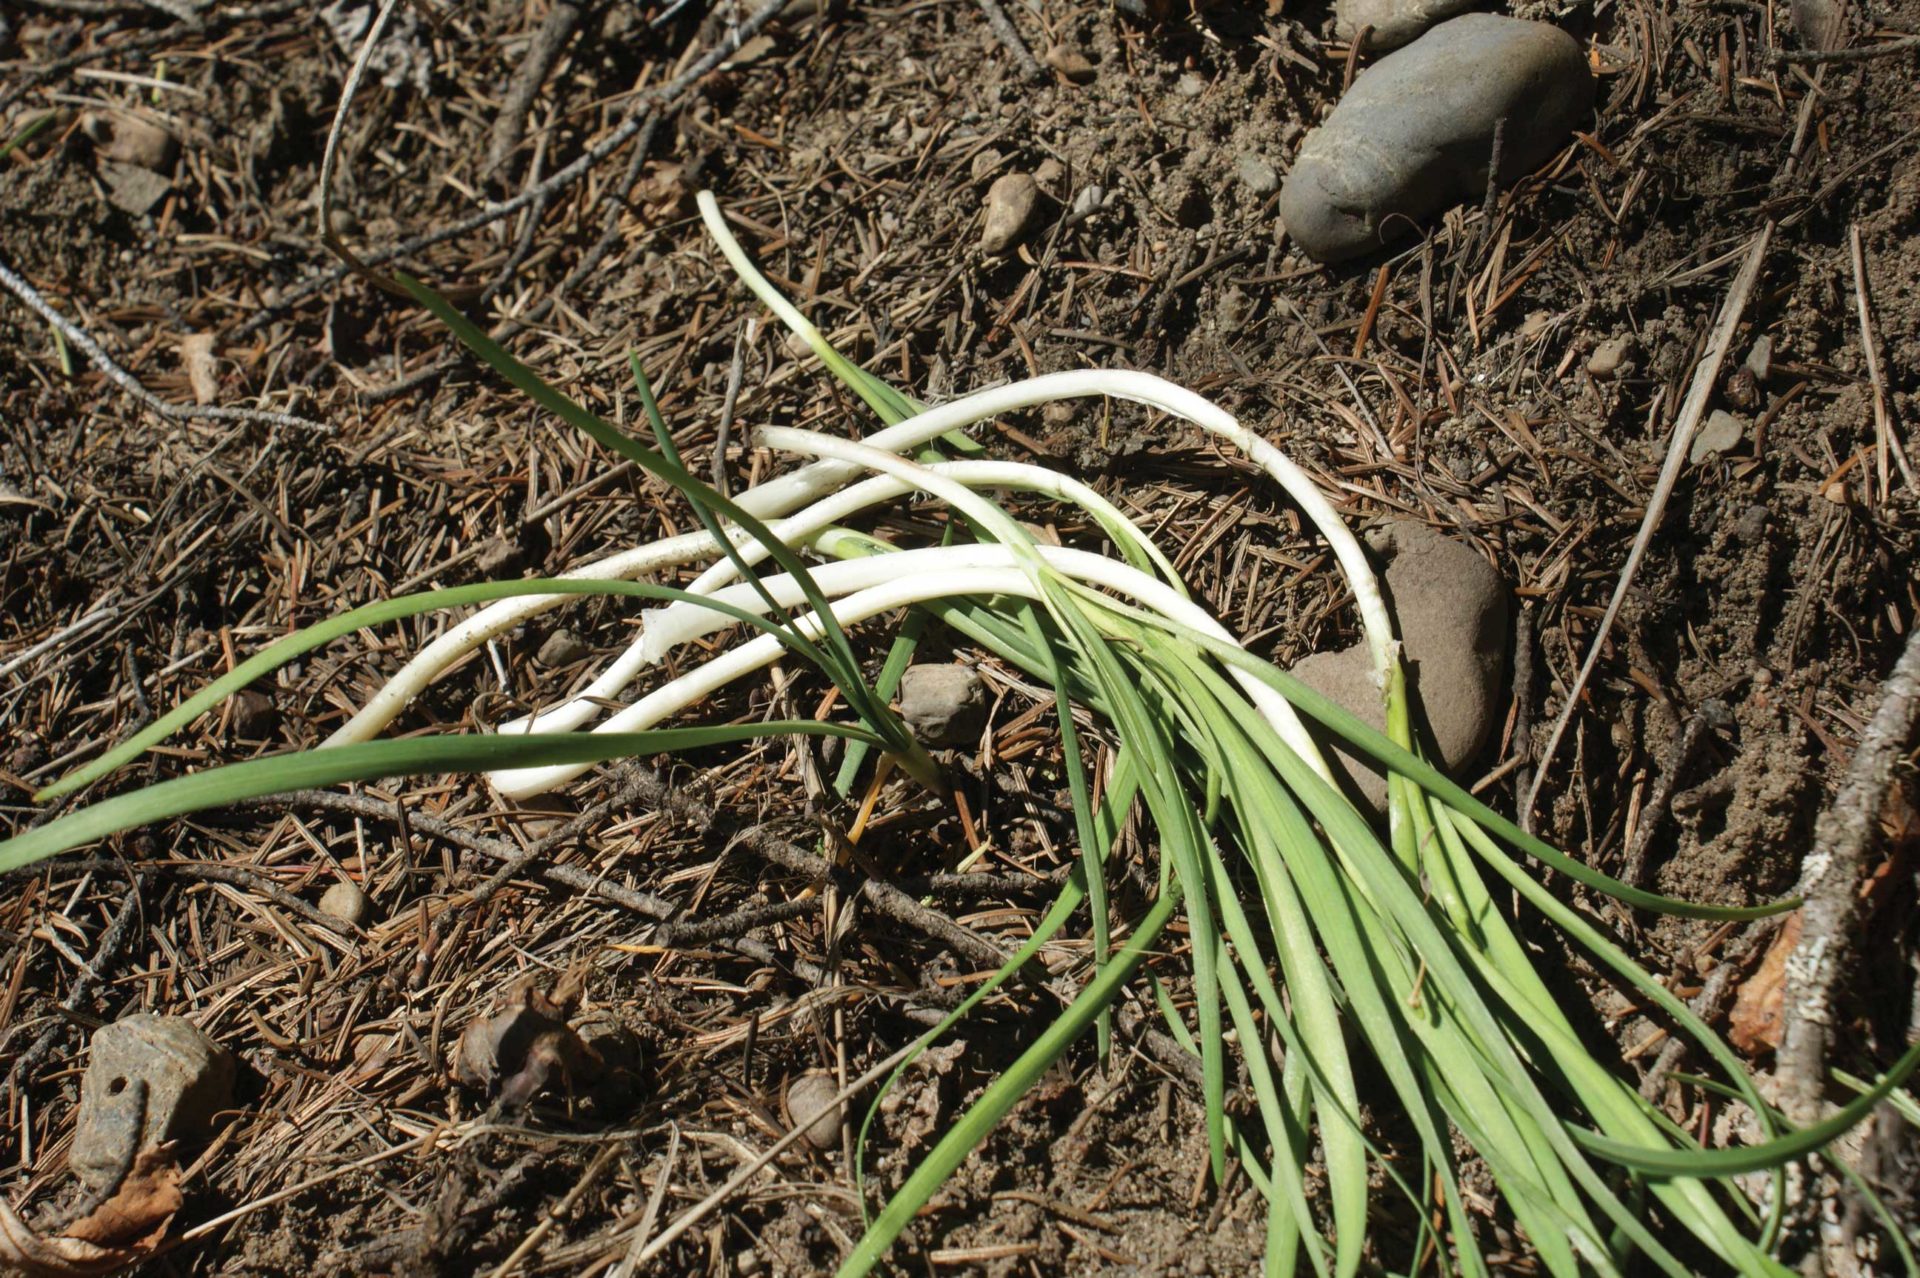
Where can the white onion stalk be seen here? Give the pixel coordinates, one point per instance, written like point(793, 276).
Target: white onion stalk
point(678, 623)
point(781, 496)
point(870, 586)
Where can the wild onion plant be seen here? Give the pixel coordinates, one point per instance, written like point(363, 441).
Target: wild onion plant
point(1316, 943)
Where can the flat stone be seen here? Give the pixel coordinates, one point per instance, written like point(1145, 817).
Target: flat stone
point(1415, 133)
point(186, 1079)
point(132, 189)
point(945, 705)
point(1450, 611)
point(1720, 433)
point(1071, 63)
point(1393, 22)
point(1010, 204)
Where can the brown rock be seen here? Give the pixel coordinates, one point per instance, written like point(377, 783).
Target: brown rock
point(1450, 611)
point(1010, 204)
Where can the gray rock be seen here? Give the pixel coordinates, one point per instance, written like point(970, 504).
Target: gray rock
point(810, 1104)
point(1010, 202)
point(562, 648)
point(1720, 433)
point(346, 902)
point(132, 189)
point(943, 704)
point(182, 1077)
point(1450, 611)
point(1393, 22)
point(1415, 133)
point(1256, 174)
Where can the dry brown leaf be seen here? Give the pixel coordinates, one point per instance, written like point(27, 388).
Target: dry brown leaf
point(196, 352)
point(1753, 1025)
point(525, 1044)
point(122, 1231)
point(140, 1210)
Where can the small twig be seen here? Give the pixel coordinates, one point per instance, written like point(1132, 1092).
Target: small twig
point(1522, 744)
point(883, 896)
point(543, 51)
point(1030, 68)
point(1886, 438)
point(1706, 376)
point(128, 383)
point(1707, 1003)
point(566, 1205)
point(59, 637)
point(1863, 53)
point(1830, 880)
point(330, 153)
point(739, 922)
point(705, 1207)
point(1712, 714)
point(576, 879)
point(105, 955)
point(723, 433)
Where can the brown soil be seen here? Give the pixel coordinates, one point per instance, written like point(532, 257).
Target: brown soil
point(855, 146)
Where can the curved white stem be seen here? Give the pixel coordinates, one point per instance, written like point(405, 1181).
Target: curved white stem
point(677, 623)
point(779, 496)
point(886, 582)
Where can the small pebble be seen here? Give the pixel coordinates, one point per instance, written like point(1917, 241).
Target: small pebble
point(1256, 174)
point(1010, 203)
point(1071, 63)
point(1609, 355)
point(1415, 132)
point(945, 705)
point(253, 715)
point(1759, 360)
point(984, 163)
point(1190, 86)
point(562, 648)
point(188, 1079)
point(1393, 22)
point(810, 1104)
point(1719, 433)
point(346, 902)
point(1742, 389)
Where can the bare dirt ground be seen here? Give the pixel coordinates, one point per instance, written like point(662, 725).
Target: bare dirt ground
point(1449, 382)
